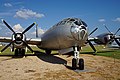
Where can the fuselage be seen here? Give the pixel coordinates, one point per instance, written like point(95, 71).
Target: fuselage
point(103, 39)
point(65, 34)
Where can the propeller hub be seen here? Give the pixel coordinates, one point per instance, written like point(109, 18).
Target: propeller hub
point(18, 36)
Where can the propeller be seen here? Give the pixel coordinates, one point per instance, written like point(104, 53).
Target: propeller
point(8, 26)
point(6, 46)
point(27, 46)
point(117, 42)
point(18, 36)
point(91, 45)
point(93, 31)
point(107, 29)
point(117, 31)
point(28, 28)
point(112, 38)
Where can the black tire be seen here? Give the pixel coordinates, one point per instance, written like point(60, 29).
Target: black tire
point(19, 52)
point(48, 52)
point(74, 63)
point(16, 52)
point(23, 52)
point(81, 64)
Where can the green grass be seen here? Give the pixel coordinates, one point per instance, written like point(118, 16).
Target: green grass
point(85, 50)
point(102, 52)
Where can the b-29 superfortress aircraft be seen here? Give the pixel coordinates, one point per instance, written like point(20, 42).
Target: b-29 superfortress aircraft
point(69, 35)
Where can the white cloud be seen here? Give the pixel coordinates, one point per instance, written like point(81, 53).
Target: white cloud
point(40, 32)
point(8, 5)
point(117, 19)
point(102, 20)
point(26, 13)
point(18, 28)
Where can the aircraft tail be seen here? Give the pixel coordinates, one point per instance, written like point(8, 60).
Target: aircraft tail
point(36, 30)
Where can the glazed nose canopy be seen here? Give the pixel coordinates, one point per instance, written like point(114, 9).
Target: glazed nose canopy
point(82, 34)
point(83, 27)
point(78, 32)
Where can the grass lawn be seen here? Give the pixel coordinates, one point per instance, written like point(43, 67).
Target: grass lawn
point(85, 50)
point(114, 53)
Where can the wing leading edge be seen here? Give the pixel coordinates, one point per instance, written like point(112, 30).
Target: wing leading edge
point(36, 41)
point(5, 39)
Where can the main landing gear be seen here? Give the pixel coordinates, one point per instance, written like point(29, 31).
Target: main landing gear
point(76, 61)
point(19, 52)
point(48, 52)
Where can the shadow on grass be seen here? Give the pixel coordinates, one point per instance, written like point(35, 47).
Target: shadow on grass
point(50, 58)
point(45, 57)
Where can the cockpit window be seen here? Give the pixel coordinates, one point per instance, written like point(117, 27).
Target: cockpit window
point(78, 23)
point(84, 23)
point(72, 20)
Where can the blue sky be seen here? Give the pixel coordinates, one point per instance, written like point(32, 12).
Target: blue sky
point(21, 13)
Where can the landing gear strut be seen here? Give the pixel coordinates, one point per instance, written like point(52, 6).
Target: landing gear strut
point(76, 61)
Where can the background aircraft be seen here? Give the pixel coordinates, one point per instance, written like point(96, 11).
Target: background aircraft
point(68, 35)
point(106, 38)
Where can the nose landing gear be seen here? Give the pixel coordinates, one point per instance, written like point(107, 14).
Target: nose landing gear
point(76, 61)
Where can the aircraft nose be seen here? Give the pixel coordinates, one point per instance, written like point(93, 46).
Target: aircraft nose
point(79, 32)
point(83, 27)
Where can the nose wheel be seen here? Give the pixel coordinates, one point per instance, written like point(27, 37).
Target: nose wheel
point(76, 61)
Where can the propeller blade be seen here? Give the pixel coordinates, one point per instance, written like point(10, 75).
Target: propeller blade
point(117, 31)
point(12, 49)
point(108, 29)
point(6, 46)
point(117, 42)
point(93, 31)
point(27, 46)
point(8, 26)
point(28, 28)
point(92, 46)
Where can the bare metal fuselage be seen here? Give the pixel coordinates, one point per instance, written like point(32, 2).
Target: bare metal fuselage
point(103, 39)
point(60, 37)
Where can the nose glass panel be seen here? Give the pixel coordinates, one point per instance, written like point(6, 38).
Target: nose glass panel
point(81, 34)
point(78, 33)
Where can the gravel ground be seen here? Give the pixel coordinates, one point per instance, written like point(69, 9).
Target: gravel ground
point(44, 67)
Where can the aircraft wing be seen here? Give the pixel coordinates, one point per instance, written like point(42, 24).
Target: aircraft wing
point(31, 41)
point(35, 41)
point(92, 39)
point(5, 39)
point(117, 37)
